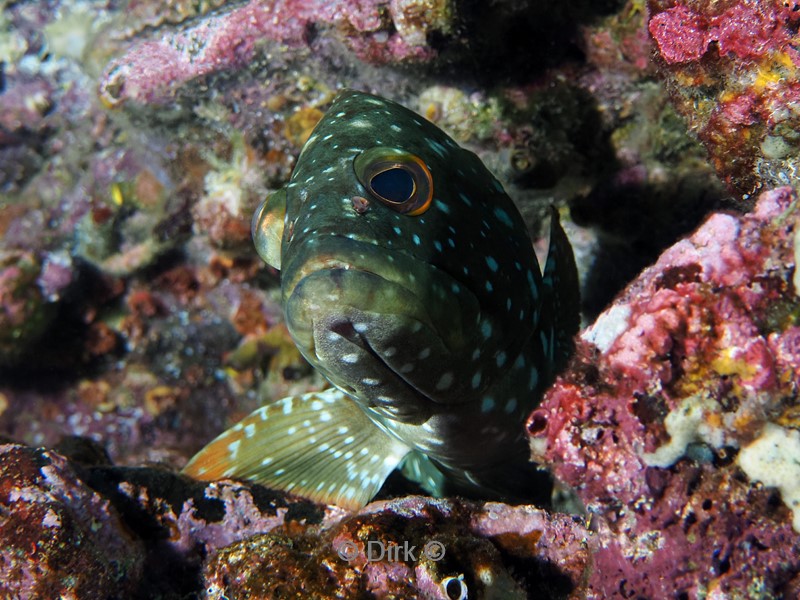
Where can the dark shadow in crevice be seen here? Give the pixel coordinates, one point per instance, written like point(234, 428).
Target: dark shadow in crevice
point(636, 222)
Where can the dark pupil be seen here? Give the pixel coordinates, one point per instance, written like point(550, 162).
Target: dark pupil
point(394, 185)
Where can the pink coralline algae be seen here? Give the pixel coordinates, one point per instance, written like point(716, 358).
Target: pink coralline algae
point(733, 68)
point(412, 548)
point(81, 527)
point(746, 29)
point(665, 423)
point(152, 69)
point(59, 538)
point(25, 312)
point(680, 33)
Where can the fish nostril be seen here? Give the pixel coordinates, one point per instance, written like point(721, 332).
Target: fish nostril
point(360, 204)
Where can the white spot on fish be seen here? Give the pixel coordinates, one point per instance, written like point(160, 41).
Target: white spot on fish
point(445, 381)
point(233, 448)
point(487, 404)
point(534, 378)
point(503, 217)
point(500, 359)
point(476, 380)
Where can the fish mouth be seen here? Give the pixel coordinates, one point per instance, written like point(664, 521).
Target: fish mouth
point(334, 318)
point(340, 257)
point(332, 252)
point(385, 316)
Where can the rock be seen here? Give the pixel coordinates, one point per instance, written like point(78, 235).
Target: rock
point(676, 422)
point(87, 529)
point(58, 537)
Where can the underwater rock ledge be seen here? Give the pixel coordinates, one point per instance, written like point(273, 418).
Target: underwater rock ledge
point(677, 421)
point(98, 531)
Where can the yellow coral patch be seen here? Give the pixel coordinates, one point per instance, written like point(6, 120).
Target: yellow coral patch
point(727, 363)
point(300, 125)
point(790, 417)
point(777, 69)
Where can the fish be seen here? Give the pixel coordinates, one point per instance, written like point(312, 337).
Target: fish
point(409, 280)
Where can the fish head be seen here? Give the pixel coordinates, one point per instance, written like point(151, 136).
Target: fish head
point(408, 277)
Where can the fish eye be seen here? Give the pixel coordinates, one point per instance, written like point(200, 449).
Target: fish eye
point(395, 184)
point(397, 179)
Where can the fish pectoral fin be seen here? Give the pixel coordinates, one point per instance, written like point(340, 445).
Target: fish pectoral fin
point(319, 445)
point(420, 469)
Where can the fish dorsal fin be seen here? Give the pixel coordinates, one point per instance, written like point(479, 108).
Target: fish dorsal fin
point(319, 445)
point(561, 304)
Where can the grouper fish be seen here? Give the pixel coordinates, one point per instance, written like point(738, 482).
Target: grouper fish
point(408, 279)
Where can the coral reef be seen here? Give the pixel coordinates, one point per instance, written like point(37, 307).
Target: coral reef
point(733, 69)
point(101, 526)
point(48, 513)
point(153, 69)
point(25, 311)
point(673, 423)
point(412, 547)
point(136, 139)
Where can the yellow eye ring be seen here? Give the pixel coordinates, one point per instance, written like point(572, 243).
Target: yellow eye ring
point(397, 179)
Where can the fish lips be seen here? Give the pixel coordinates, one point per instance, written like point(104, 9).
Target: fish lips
point(354, 304)
point(380, 335)
point(339, 273)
